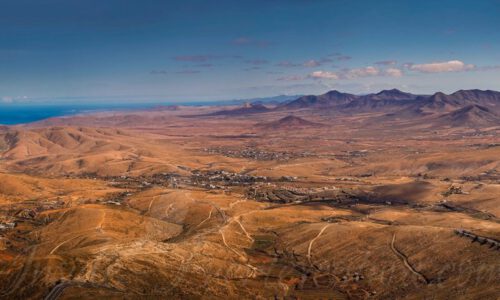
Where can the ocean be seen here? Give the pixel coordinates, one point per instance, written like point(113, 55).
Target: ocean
point(20, 113)
point(12, 113)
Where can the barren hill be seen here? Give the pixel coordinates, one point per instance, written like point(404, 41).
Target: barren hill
point(395, 101)
point(288, 122)
point(69, 150)
point(384, 100)
point(330, 99)
point(471, 115)
point(247, 108)
point(488, 97)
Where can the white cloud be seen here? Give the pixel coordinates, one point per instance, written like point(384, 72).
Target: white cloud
point(439, 67)
point(386, 63)
point(361, 72)
point(7, 99)
point(290, 78)
point(311, 63)
point(393, 72)
point(323, 75)
point(347, 74)
point(287, 64)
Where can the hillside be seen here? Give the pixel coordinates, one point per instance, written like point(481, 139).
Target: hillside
point(471, 115)
point(390, 100)
point(288, 122)
point(330, 99)
point(246, 109)
point(384, 100)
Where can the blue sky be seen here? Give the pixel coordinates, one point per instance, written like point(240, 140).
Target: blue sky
point(123, 50)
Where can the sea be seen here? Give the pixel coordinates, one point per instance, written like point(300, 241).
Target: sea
point(28, 112)
point(15, 113)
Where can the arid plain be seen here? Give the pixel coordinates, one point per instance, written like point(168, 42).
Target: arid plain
point(384, 196)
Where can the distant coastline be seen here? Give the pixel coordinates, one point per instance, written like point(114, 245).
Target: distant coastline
point(22, 113)
point(15, 114)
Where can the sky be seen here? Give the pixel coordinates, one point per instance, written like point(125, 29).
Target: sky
point(178, 51)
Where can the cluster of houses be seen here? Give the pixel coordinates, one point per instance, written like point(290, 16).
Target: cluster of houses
point(257, 154)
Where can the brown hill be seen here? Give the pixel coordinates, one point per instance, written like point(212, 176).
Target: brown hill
point(70, 150)
point(288, 122)
point(441, 102)
point(485, 98)
point(471, 116)
point(246, 109)
point(395, 100)
point(330, 99)
point(166, 108)
point(386, 99)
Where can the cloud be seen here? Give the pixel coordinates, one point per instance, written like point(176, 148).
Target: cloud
point(386, 63)
point(158, 72)
point(487, 68)
point(7, 99)
point(346, 74)
point(194, 58)
point(360, 72)
point(393, 72)
point(287, 64)
point(344, 58)
point(340, 57)
point(206, 65)
point(290, 78)
point(256, 62)
point(164, 72)
point(323, 75)
point(188, 72)
point(246, 41)
point(312, 63)
point(441, 67)
point(203, 58)
point(252, 68)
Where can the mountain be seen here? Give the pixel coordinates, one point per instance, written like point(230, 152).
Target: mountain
point(395, 99)
point(472, 115)
point(288, 122)
point(166, 108)
point(394, 103)
point(385, 99)
point(441, 102)
point(246, 109)
point(264, 100)
point(330, 99)
point(393, 94)
point(437, 102)
point(480, 97)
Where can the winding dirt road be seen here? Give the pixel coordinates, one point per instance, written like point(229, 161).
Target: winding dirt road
point(403, 257)
point(312, 242)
